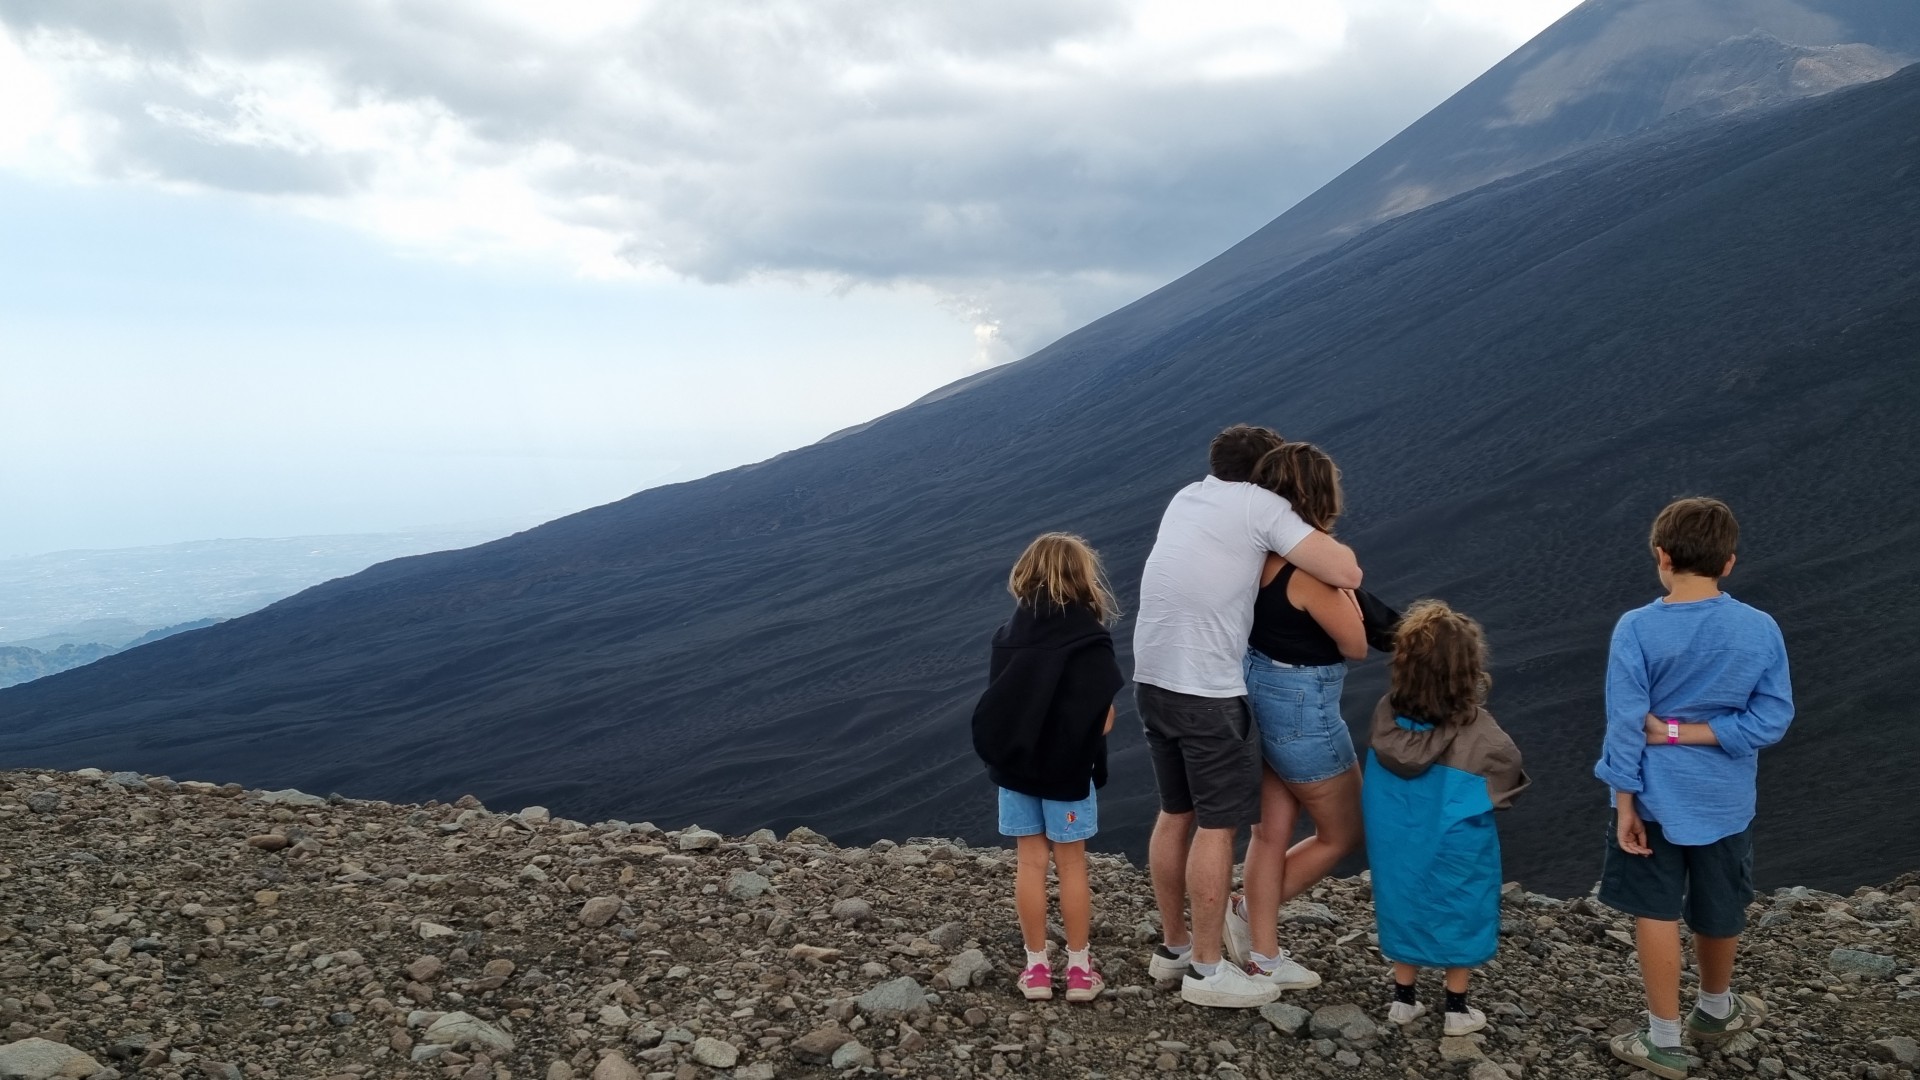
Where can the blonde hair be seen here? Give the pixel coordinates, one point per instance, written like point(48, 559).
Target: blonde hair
point(1439, 673)
point(1062, 569)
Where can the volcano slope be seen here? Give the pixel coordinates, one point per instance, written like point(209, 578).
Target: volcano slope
point(1514, 380)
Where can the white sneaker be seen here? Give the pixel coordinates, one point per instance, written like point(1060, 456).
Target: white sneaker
point(1227, 988)
point(1166, 965)
point(1286, 974)
point(1402, 1013)
point(1465, 1023)
point(1237, 935)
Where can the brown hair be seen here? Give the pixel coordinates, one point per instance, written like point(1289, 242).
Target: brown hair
point(1305, 476)
point(1235, 451)
point(1699, 534)
point(1439, 672)
point(1062, 569)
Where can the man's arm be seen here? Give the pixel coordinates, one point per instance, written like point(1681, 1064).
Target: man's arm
point(1625, 744)
point(1327, 559)
point(1275, 526)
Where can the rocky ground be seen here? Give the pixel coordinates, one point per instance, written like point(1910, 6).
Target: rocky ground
point(188, 930)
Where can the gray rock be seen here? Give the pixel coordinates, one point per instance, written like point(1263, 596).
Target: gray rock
point(131, 781)
point(1307, 913)
point(852, 910)
point(1899, 1049)
point(698, 839)
point(341, 1019)
point(43, 1059)
point(45, 802)
point(599, 911)
point(852, 1056)
point(762, 837)
point(1461, 1048)
point(715, 1054)
point(970, 968)
point(1487, 1070)
point(949, 936)
point(291, 797)
point(804, 835)
point(893, 999)
point(534, 815)
point(1349, 1022)
point(615, 1067)
point(456, 1028)
point(759, 1070)
point(816, 1047)
point(1287, 1019)
point(747, 885)
point(1865, 964)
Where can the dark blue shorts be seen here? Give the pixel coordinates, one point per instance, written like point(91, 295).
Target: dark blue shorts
point(1709, 886)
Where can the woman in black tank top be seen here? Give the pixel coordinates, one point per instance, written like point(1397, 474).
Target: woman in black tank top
point(1303, 632)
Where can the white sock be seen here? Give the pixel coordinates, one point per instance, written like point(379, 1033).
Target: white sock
point(1664, 1034)
point(1205, 970)
point(1264, 962)
point(1078, 958)
point(1036, 957)
point(1179, 951)
point(1719, 1006)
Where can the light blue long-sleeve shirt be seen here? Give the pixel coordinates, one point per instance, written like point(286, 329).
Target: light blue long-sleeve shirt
point(1717, 662)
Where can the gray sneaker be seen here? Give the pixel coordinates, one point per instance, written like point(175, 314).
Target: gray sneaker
point(1748, 1013)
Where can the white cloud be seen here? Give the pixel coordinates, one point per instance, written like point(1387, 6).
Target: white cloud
point(1035, 164)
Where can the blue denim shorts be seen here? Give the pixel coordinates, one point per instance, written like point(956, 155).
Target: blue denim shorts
point(1063, 822)
point(1302, 735)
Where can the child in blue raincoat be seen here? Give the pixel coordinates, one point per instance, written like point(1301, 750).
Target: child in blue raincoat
point(1438, 768)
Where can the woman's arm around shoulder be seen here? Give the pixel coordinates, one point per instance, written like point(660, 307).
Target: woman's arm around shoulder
point(1335, 610)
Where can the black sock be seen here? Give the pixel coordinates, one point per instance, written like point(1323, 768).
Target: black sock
point(1457, 1002)
point(1403, 993)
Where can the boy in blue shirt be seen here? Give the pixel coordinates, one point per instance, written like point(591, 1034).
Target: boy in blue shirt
point(1696, 687)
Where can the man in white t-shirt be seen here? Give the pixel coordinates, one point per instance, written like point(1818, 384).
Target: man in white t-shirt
point(1196, 608)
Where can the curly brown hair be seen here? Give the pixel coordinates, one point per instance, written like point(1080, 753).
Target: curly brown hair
point(1306, 477)
point(1439, 674)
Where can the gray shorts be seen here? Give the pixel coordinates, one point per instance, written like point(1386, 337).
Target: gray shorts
point(1709, 885)
point(1206, 756)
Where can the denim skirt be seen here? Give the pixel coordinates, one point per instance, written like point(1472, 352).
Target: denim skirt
point(1302, 735)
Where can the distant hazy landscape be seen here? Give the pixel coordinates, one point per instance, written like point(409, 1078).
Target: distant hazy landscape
point(62, 609)
point(1663, 249)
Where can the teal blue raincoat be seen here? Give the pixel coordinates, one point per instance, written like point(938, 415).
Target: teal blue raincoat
point(1429, 797)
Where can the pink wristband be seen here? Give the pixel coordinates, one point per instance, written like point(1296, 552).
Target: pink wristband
point(1673, 733)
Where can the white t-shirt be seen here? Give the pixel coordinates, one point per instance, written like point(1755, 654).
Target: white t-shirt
point(1197, 594)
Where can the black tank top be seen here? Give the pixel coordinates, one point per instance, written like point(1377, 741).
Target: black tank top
point(1287, 634)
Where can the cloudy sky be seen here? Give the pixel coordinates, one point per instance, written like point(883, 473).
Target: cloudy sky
point(323, 266)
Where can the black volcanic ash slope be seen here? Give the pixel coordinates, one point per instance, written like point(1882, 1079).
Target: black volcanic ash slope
point(1608, 69)
point(1514, 380)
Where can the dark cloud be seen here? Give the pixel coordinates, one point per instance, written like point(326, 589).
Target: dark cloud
point(1035, 163)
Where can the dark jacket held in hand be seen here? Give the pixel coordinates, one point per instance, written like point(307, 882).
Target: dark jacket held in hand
point(1039, 726)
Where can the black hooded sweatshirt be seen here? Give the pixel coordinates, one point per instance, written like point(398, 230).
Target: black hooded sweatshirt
point(1040, 724)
